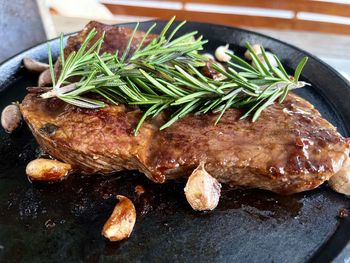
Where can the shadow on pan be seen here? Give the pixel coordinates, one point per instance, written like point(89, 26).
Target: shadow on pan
point(58, 222)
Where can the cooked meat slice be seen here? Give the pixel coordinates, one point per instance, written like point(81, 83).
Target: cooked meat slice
point(289, 149)
point(116, 38)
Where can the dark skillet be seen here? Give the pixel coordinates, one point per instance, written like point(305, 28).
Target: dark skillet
point(61, 222)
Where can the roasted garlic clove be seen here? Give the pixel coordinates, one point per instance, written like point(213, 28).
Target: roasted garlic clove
point(202, 190)
point(340, 182)
point(45, 79)
point(11, 118)
point(121, 223)
point(47, 170)
point(221, 53)
point(34, 65)
point(257, 50)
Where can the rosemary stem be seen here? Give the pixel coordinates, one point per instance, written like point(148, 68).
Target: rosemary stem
point(49, 94)
point(57, 92)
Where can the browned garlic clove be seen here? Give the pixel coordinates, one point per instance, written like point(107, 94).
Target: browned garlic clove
point(11, 118)
point(202, 190)
point(47, 170)
point(34, 65)
point(121, 223)
point(340, 182)
point(220, 53)
point(45, 79)
point(257, 50)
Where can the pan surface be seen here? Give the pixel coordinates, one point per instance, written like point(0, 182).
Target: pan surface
point(61, 222)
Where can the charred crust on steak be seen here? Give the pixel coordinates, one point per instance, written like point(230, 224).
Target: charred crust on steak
point(38, 90)
point(49, 129)
point(116, 38)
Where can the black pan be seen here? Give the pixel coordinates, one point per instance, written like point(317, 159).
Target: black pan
point(61, 222)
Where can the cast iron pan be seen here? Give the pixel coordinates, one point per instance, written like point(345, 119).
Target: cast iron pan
point(61, 222)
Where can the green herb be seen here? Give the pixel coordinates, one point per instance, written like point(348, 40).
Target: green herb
point(165, 74)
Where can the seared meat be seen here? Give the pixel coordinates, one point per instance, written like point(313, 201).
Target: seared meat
point(289, 149)
point(116, 38)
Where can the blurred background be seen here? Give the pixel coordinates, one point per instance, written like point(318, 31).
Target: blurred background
point(321, 27)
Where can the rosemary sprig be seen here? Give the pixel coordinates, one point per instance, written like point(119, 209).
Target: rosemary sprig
point(165, 74)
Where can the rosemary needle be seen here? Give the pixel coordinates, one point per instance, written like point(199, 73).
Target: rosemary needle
point(153, 77)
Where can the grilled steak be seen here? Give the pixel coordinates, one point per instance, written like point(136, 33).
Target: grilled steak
point(116, 38)
point(289, 149)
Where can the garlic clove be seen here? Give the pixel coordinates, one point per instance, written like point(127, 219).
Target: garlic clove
point(220, 53)
point(34, 65)
point(257, 50)
point(47, 170)
point(45, 79)
point(340, 182)
point(11, 118)
point(202, 190)
point(121, 223)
